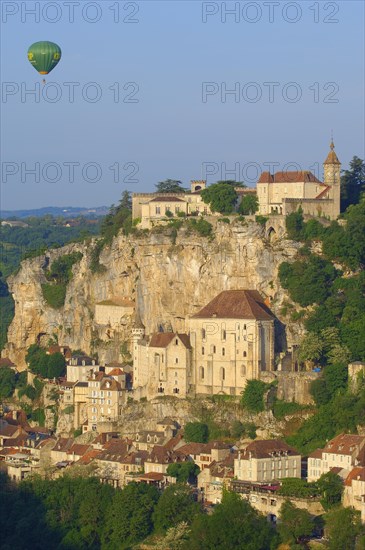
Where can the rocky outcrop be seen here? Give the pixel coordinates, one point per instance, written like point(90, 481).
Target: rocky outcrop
point(168, 278)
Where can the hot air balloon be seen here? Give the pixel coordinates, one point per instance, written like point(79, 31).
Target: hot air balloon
point(44, 56)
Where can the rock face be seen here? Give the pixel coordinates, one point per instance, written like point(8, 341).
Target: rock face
point(169, 279)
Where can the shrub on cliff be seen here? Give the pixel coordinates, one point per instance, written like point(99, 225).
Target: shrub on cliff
point(196, 432)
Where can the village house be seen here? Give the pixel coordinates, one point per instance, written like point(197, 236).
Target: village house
point(354, 490)
point(118, 458)
point(216, 477)
point(203, 454)
point(104, 401)
point(343, 452)
point(267, 461)
point(79, 368)
point(284, 192)
point(113, 313)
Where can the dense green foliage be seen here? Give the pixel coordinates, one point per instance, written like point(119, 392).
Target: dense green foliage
point(329, 487)
point(253, 396)
point(196, 432)
point(200, 226)
point(233, 524)
point(221, 197)
point(183, 471)
point(343, 413)
point(7, 382)
point(283, 408)
point(352, 183)
point(59, 275)
point(46, 366)
point(248, 205)
point(344, 529)
point(294, 523)
point(243, 429)
point(176, 504)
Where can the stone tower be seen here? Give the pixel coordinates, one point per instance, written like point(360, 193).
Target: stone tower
point(332, 177)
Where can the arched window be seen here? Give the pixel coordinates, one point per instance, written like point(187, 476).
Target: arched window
point(214, 349)
point(223, 351)
point(203, 351)
point(202, 373)
point(224, 334)
point(243, 370)
point(223, 373)
point(245, 354)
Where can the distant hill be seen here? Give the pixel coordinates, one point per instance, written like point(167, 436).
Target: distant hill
point(65, 211)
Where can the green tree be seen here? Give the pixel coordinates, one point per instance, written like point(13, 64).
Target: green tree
point(233, 183)
point(233, 524)
point(294, 523)
point(7, 382)
point(196, 432)
point(175, 505)
point(331, 487)
point(253, 396)
point(129, 518)
point(56, 365)
point(249, 205)
point(343, 527)
point(352, 183)
point(183, 471)
point(170, 186)
point(294, 223)
point(221, 197)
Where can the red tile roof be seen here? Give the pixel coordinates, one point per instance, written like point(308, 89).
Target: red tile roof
point(236, 304)
point(288, 177)
point(345, 444)
point(79, 449)
point(267, 448)
point(357, 473)
point(163, 339)
point(116, 372)
point(5, 362)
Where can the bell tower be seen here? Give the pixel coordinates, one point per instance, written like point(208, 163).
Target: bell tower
point(332, 177)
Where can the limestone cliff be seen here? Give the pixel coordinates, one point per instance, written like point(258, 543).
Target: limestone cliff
point(169, 281)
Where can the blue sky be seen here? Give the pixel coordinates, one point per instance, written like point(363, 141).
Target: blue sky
point(169, 54)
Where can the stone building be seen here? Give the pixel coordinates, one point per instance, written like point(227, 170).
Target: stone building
point(267, 460)
point(233, 341)
point(161, 364)
point(284, 192)
point(354, 491)
point(343, 452)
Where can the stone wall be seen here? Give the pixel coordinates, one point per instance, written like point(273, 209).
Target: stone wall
point(295, 386)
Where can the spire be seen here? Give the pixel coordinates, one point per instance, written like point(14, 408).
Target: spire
point(332, 157)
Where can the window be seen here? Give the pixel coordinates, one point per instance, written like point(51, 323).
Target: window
point(176, 342)
point(223, 351)
point(224, 334)
point(243, 370)
point(203, 333)
point(214, 349)
point(176, 360)
point(202, 373)
point(244, 327)
point(177, 209)
point(175, 376)
point(109, 393)
point(158, 210)
point(203, 351)
point(223, 373)
point(244, 354)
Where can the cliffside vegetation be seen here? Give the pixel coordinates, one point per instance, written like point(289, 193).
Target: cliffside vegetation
point(59, 276)
point(332, 289)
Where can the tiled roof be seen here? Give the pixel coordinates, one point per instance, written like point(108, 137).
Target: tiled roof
point(116, 372)
point(316, 454)
point(288, 177)
point(357, 473)
point(345, 444)
point(236, 304)
point(163, 455)
point(267, 448)
point(88, 457)
point(8, 430)
point(63, 444)
point(163, 339)
point(151, 476)
point(323, 193)
point(79, 449)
